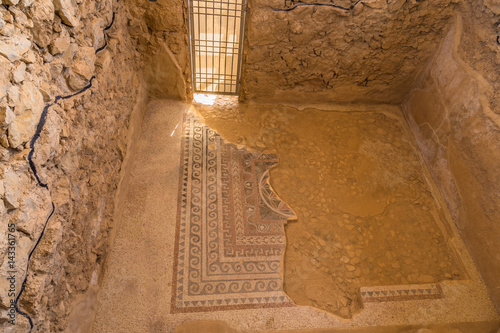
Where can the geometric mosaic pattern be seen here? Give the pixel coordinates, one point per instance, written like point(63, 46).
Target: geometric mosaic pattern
point(401, 293)
point(230, 237)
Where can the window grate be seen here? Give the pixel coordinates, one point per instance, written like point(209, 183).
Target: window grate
point(216, 30)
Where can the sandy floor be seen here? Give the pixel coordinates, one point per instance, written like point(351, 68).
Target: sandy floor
point(367, 216)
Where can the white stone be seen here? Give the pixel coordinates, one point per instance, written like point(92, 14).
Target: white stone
point(22, 129)
point(4, 156)
point(97, 27)
point(6, 115)
point(29, 57)
point(4, 140)
point(59, 45)
point(7, 30)
point(75, 81)
point(10, 2)
point(14, 48)
point(13, 95)
point(43, 10)
point(28, 111)
point(103, 59)
point(67, 11)
point(26, 3)
point(19, 72)
point(28, 215)
point(43, 16)
point(13, 184)
point(30, 98)
point(4, 76)
point(19, 16)
point(7, 16)
point(46, 92)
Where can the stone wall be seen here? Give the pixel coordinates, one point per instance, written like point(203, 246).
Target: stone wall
point(161, 34)
point(356, 51)
point(67, 67)
point(454, 111)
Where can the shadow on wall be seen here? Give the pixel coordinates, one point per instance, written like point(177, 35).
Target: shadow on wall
point(163, 74)
point(159, 29)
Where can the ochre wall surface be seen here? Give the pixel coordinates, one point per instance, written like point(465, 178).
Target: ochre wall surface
point(48, 50)
point(160, 29)
point(454, 112)
point(370, 53)
point(81, 72)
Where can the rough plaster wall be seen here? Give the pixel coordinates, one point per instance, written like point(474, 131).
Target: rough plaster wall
point(48, 49)
point(368, 52)
point(455, 114)
point(160, 29)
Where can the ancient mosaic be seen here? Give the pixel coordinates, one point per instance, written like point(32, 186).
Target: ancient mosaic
point(230, 236)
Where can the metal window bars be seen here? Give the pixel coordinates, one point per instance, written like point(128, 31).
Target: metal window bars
point(216, 31)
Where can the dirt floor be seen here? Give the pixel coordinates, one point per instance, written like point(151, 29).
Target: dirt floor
point(368, 214)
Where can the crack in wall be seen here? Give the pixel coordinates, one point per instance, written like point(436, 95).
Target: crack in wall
point(316, 4)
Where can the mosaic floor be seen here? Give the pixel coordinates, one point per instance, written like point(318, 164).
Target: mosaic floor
point(219, 259)
point(230, 237)
point(230, 231)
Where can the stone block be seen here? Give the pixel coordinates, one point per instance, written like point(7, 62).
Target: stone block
point(67, 11)
point(15, 47)
point(59, 45)
point(6, 115)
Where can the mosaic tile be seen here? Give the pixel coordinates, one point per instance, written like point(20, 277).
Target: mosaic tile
point(401, 293)
point(230, 237)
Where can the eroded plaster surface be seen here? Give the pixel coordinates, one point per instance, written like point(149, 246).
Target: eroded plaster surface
point(365, 51)
point(453, 111)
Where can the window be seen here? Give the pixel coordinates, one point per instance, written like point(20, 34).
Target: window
point(216, 30)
